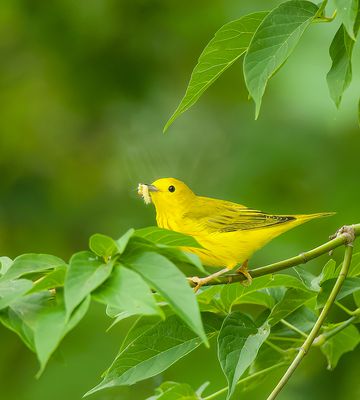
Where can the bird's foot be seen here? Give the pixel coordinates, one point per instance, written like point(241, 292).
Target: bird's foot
point(244, 270)
point(198, 282)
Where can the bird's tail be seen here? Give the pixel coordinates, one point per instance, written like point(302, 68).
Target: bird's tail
point(308, 217)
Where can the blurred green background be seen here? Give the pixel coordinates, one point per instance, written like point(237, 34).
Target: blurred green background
point(86, 87)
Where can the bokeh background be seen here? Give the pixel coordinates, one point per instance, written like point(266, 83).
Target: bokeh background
point(85, 89)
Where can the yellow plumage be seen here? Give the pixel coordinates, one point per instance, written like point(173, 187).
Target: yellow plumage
point(229, 232)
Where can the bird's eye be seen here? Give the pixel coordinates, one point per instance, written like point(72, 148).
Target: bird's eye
point(171, 188)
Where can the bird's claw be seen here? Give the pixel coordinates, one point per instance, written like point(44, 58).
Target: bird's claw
point(244, 271)
point(198, 282)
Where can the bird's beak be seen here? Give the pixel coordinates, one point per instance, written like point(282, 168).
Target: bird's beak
point(144, 191)
point(152, 188)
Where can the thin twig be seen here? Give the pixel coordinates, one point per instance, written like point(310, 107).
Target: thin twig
point(247, 378)
point(312, 335)
point(294, 328)
point(319, 340)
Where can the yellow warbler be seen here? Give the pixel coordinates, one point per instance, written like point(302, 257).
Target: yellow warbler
point(228, 232)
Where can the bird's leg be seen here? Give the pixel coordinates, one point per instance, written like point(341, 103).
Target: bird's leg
point(244, 270)
point(202, 281)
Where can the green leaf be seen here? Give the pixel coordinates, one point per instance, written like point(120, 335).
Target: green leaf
point(349, 286)
point(85, 273)
point(102, 245)
point(303, 318)
point(40, 321)
point(123, 241)
point(354, 269)
point(311, 281)
point(227, 296)
point(293, 299)
point(166, 237)
point(13, 290)
point(340, 73)
point(228, 44)
point(267, 357)
point(176, 255)
point(356, 296)
point(174, 391)
point(162, 275)
point(273, 42)
point(239, 341)
point(50, 280)
point(328, 271)
point(29, 263)
point(52, 325)
point(22, 316)
point(127, 292)
point(343, 342)
point(347, 11)
point(5, 264)
point(155, 350)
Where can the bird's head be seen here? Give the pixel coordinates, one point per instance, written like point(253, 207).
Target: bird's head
point(167, 194)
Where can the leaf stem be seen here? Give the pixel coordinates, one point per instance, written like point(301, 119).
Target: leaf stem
point(247, 378)
point(312, 335)
point(294, 328)
point(342, 238)
point(319, 340)
point(355, 312)
point(275, 347)
point(285, 339)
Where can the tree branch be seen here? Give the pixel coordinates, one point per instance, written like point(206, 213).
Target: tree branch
point(341, 238)
point(315, 330)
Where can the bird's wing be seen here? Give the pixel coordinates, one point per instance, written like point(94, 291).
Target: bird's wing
point(224, 216)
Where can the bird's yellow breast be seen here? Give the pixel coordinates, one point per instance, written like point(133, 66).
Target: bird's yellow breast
point(222, 249)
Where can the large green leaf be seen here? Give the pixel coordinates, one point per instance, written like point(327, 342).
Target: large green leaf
point(356, 296)
point(40, 320)
point(311, 281)
point(343, 342)
point(239, 341)
point(12, 290)
point(229, 295)
point(273, 42)
point(328, 271)
point(5, 264)
point(166, 237)
point(155, 350)
point(174, 391)
point(340, 73)
point(52, 325)
point(293, 299)
point(228, 44)
point(123, 241)
point(162, 275)
point(177, 256)
point(347, 11)
point(126, 291)
point(50, 280)
point(349, 286)
point(302, 318)
point(85, 273)
point(354, 269)
point(29, 263)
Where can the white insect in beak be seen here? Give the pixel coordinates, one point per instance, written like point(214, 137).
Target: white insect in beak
point(143, 191)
